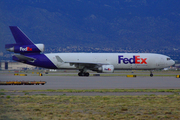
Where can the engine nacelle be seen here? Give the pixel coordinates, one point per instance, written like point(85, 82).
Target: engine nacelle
point(36, 48)
point(106, 69)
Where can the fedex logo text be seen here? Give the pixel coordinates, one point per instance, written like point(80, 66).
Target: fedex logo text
point(134, 60)
point(107, 69)
point(25, 49)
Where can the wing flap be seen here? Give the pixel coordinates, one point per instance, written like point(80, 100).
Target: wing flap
point(85, 64)
point(81, 62)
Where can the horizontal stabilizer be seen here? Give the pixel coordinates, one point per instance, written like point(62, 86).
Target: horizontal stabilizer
point(24, 58)
point(10, 45)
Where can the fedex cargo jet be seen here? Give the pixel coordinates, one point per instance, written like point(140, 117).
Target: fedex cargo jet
point(30, 53)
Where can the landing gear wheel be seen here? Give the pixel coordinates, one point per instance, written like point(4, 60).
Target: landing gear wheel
point(151, 75)
point(86, 74)
point(79, 74)
point(83, 74)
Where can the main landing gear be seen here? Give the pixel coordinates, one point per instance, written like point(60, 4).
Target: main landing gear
point(83, 72)
point(151, 74)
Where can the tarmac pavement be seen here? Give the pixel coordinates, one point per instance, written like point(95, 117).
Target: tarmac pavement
point(92, 82)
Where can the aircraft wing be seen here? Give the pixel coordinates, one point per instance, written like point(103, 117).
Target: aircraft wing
point(98, 67)
point(85, 64)
point(80, 63)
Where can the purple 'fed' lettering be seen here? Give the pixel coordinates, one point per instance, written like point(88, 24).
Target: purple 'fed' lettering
point(133, 60)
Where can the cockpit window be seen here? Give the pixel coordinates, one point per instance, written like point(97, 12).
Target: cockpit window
point(168, 58)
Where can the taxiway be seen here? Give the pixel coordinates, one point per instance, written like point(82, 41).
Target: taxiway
point(92, 82)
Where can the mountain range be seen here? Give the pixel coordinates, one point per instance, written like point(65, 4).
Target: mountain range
point(143, 25)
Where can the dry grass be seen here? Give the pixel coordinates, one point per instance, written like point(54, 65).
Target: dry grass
point(3, 91)
point(89, 107)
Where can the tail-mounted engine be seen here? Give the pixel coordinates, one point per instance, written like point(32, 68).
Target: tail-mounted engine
point(16, 48)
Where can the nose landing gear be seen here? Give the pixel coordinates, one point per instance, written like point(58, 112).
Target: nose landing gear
point(151, 74)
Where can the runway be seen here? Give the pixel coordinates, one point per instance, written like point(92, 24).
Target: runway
point(92, 82)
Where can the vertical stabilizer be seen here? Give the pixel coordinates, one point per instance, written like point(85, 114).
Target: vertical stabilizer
point(19, 36)
point(23, 44)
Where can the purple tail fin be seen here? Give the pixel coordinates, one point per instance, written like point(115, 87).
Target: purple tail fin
point(20, 37)
point(23, 44)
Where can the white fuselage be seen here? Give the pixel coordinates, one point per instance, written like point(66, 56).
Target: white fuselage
point(139, 61)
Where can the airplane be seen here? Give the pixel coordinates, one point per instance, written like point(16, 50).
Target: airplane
point(30, 53)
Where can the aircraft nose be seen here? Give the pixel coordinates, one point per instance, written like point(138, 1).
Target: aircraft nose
point(173, 62)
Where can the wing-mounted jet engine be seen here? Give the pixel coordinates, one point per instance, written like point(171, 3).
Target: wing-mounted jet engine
point(106, 69)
